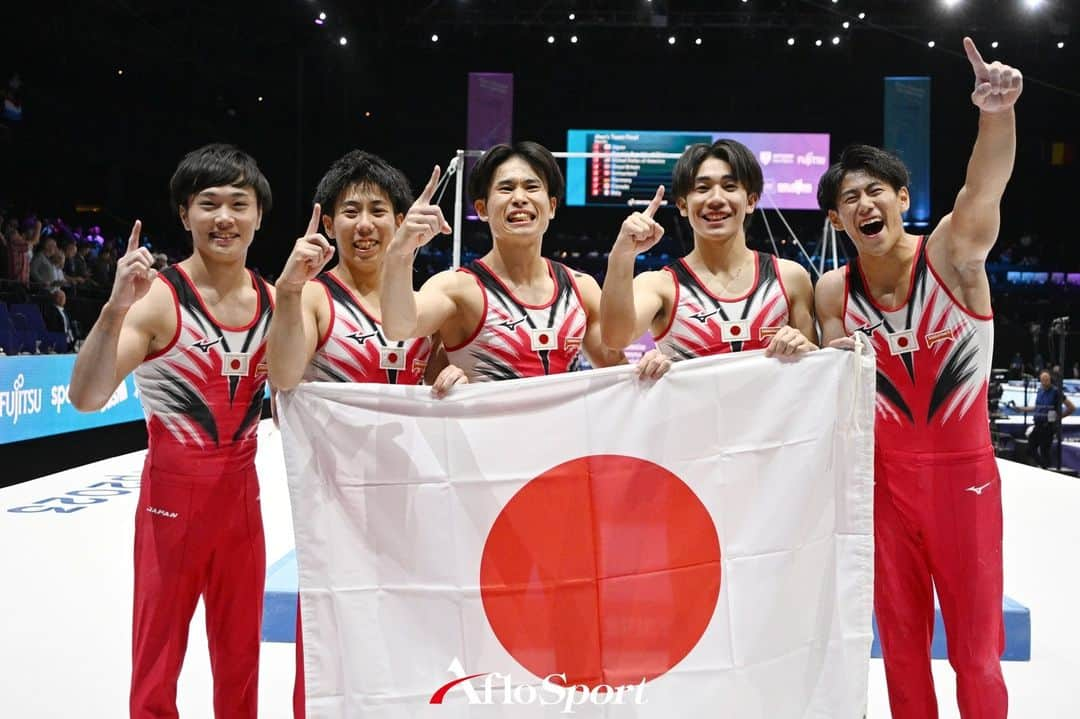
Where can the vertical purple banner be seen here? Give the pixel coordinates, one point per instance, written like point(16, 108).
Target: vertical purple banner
point(491, 109)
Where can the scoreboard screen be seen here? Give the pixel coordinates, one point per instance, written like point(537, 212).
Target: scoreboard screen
point(791, 162)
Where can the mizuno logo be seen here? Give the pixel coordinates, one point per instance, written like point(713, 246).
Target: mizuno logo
point(703, 315)
point(978, 490)
point(162, 512)
point(361, 338)
point(205, 345)
point(869, 329)
point(512, 324)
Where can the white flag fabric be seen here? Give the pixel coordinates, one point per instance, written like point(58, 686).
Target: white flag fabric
point(587, 544)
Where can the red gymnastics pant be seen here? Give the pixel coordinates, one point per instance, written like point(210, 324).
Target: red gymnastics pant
point(937, 517)
point(298, 696)
point(197, 535)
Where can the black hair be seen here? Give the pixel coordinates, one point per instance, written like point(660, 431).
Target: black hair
point(363, 168)
point(539, 158)
point(744, 167)
point(217, 165)
point(874, 161)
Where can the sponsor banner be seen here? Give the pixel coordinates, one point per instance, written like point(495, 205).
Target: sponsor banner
point(34, 399)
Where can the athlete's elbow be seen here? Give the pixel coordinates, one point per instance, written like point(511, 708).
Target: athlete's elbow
point(83, 400)
point(398, 332)
point(615, 338)
point(281, 381)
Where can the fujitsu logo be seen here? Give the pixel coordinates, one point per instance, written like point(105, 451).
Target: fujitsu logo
point(552, 691)
point(162, 512)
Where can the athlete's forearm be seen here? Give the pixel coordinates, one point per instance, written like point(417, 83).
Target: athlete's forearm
point(93, 378)
point(993, 156)
point(397, 301)
point(617, 312)
point(286, 342)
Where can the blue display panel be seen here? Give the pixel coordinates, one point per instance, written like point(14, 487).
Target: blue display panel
point(34, 399)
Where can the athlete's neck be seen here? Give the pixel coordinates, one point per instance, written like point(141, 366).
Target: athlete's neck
point(720, 258)
point(364, 285)
point(887, 273)
point(222, 277)
point(362, 281)
point(521, 265)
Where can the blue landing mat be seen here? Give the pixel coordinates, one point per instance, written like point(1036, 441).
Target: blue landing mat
point(279, 616)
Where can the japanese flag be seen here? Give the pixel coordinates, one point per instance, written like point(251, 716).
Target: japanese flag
point(588, 544)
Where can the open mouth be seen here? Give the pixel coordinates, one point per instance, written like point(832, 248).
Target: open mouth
point(520, 217)
point(872, 227)
point(365, 245)
point(716, 216)
point(222, 237)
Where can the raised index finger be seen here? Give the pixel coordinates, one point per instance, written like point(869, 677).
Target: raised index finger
point(133, 240)
point(313, 223)
point(654, 203)
point(973, 55)
point(429, 188)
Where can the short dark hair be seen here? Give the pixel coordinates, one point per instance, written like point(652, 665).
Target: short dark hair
point(363, 168)
point(539, 158)
point(874, 161)
point(217, 165)
point(744, 166)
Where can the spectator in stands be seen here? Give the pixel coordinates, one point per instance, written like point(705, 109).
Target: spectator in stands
point(1076, 370)
point(104, 266)
point(76, 265)
point(1051, 405)
point(57, 319)
point(1016, 367)
point(19, 247)
point(4, 270)
point(94, 236)
point(43, 268)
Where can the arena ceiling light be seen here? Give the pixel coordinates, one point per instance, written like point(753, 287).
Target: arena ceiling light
point(995, 44)
point(434, 37)
point(1033, 4)
point(573, 39)
point(790, 41)
point(551, 40)
point(343, 41)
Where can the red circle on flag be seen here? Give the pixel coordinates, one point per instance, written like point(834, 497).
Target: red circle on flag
point(544, 339)
point(901, 341)
point(605, 568)
point(235, 364)
point(392, 357)
point(736, 330)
